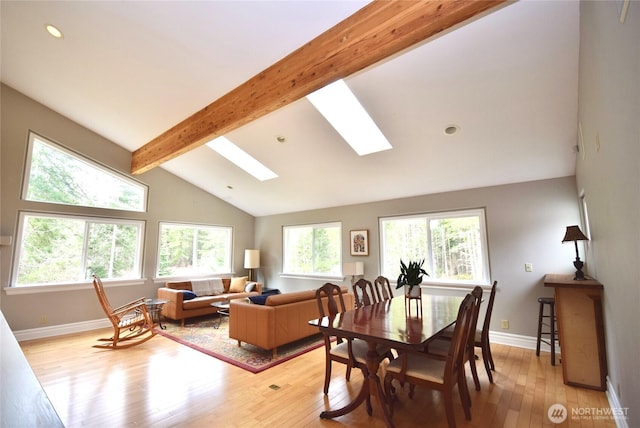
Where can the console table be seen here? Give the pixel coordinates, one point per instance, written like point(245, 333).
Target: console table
point(580, 330)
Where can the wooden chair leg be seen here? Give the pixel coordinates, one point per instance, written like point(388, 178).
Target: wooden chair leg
point(327, 376)
point(493, 366)
point(486, 356)
point(465, 397)
point(448, 406)
point(474, 370)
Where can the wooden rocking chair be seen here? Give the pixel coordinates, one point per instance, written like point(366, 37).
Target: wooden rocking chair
point(132, 323)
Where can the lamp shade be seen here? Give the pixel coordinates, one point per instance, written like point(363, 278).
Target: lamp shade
point(355, 268)
point(251, 259)
point(574, 234)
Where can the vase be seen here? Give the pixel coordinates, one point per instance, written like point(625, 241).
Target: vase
point(412, 292)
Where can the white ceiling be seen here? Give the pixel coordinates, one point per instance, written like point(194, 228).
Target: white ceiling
point(131, 70)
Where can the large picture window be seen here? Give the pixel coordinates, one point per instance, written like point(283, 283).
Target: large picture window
point(55, 174)
point(313, 250)
point(187, 250)
point(453, 244)
point(63, 249)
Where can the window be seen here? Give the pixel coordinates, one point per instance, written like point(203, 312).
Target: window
point(63, 249)
point(187, 249)
point(314, 250)
point(58, 175)
point(453, 244)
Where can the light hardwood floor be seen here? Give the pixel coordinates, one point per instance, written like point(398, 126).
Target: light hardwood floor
point(164, 384)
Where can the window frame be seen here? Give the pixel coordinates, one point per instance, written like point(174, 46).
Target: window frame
point(314, 275)
point(33, 136)
point(138, 262)
point(230, 248)
point(429, 280)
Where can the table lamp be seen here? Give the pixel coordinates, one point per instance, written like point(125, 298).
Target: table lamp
point(251, 261)
point(574, 234)
point(354, 269)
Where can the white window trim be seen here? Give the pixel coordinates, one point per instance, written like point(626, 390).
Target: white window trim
point(70, 285)
point(158, 278)
point(36, 289)
point(484, 282)
point(310, 276)
point(82, 158)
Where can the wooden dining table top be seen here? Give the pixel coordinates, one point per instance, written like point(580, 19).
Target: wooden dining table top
point(395, 322)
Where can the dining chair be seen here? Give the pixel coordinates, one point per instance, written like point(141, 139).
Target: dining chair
point(481, 337)
point(363, 293)
point(383, 288)
point(440, 346)
point(345, 351)
point(441, 374)
point(132, 324)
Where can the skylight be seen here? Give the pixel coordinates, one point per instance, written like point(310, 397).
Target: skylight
point(241, 159)
point(344, 112)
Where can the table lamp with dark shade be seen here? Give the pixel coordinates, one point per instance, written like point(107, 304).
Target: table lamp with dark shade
point(574, 234)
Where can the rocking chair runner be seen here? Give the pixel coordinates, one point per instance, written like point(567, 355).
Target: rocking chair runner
point(132, 323)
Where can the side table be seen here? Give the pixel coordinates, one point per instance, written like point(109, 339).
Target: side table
point(223, 310)
point(154, 306)
point(580, 330)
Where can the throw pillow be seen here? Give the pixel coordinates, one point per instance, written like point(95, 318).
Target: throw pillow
point(237, 284)
point(249, 287)
point(259, 300)
point(188, 295)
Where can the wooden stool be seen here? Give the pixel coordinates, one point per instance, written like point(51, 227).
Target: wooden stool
point(550, 323)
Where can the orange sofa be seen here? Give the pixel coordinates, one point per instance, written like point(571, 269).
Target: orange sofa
point(177, 308)
point(282, 319)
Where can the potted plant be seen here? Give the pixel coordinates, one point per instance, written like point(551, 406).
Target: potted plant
point(411, 277)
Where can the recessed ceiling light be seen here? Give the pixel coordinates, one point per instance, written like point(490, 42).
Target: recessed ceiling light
point(54, 31)
point(451, 129)
point(344, 112)
point(241, 159)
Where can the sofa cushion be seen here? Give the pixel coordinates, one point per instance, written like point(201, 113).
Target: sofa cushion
point(188, 295)
point(237, 284)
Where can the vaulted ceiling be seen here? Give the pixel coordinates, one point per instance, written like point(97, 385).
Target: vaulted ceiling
point(132, 70)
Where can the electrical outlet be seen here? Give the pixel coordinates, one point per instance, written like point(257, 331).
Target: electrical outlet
point(44, 319)
point(505, 324)
point(528, 267)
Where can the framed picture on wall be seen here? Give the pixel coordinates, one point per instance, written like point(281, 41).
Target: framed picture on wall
point(359, 242)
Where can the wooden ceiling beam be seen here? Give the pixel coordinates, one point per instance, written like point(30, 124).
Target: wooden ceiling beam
point(375, 32)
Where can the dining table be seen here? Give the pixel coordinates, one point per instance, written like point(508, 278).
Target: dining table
point(401, 324)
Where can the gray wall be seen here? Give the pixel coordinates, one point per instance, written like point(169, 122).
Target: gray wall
point(525, 224)
point(170, 199)
point(609, 111)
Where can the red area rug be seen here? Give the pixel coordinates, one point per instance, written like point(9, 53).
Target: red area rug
point(200, 334)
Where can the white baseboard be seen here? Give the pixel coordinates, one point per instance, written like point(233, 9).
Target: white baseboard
point(614, 402)
point(59, 330)
point(519, 341)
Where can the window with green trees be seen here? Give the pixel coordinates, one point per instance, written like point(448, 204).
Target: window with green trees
point(58, 175)
point(187, 250)
point(453, 244)
point(314, 250)
point(64, 249)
